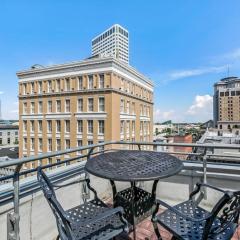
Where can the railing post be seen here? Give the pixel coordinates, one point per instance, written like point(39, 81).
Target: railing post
point(13, 217)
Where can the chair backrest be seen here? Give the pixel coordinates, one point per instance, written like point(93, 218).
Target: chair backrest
point(224, 215)
point(63, 225)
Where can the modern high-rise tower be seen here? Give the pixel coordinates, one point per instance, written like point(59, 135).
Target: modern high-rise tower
point(112, 42)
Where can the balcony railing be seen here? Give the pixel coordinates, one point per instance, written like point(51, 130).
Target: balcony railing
point(200, 168)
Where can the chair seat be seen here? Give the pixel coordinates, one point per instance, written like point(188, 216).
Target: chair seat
point(186, 229)
point(104, 229)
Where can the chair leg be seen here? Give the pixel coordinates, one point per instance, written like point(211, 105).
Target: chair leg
point(156, 230)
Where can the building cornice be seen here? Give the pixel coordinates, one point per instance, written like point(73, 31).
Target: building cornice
point(88, 66)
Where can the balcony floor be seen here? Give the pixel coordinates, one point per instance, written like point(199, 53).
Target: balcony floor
point(145, 231)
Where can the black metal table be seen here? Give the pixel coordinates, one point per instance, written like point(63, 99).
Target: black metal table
point(134, 166)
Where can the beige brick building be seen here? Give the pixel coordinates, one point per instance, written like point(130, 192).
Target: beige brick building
point(80, 103)
point(226, 103)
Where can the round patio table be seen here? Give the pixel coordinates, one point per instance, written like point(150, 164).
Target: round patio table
point(134, 166)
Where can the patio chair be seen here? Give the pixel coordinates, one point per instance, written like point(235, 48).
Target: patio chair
point(88, 221)
point(188, 220)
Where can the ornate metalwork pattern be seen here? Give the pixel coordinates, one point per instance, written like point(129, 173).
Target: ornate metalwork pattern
point(133, 165)
point(88, 221)
point(143, 204)
point(227, 215)
point(188, 229)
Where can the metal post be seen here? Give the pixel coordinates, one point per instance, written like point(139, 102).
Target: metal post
point(13, 217)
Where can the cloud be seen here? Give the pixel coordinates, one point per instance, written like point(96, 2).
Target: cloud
point(1, 92)
point(185, 73)
point(234, 55)
point(201, 108)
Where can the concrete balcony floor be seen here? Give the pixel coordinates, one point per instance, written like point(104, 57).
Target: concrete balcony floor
point(145, 231)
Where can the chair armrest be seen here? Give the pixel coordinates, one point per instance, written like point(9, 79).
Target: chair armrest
point(200, 185)
point(179, 213)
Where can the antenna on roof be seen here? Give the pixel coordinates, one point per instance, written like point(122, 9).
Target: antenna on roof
point(228, 70)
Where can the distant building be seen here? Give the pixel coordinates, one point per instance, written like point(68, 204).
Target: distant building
point(112, 42)
point(226, 103)
point(83, 103)
point(159, 127)
point(8, 134)
point(184, 138)
point(215, 136)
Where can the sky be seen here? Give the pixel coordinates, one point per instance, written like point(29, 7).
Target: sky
point(184, 46)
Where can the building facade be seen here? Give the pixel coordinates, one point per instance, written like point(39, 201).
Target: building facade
point(112, 42)
point(8, 135)
point(82, 103)
point(226, 103)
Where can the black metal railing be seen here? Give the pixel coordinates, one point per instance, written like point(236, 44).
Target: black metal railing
point(15, 195)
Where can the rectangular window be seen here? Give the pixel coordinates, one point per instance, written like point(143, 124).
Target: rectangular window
point(101, 148)
point(32, 87)
point(24, 107)
point(80, 126)
point(67, 126)
point(32, 126)
point(127, 107)
point(32, 144)
point(90, 142)
point(80, 83)
point(101, 126)
point(58, 106)
point(67, 143)
point(101, 104)
point(79, 145)
point(67, 105)
point(58, 126)
point(49, 86)
point(90, 82)
point(122, 84)
point(40, 107)
point(49, 144)
point(133, 127)
point(24, 88)
point(40, 126)
point(49, 106)
point(133, 108)
point(58, 85)
point(128, 126)
point(122, 127)
point(49, 126)
point(67, 86)
point(90, 104)
point(39, 87)
point(122, 106)
point(32, 107)
point(101, 81)
point(40, 144)
point(58, 144)
point(90, 126)
point(25, 143)
point(80, 105)
point(24, 126)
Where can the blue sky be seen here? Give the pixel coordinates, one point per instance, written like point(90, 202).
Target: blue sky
point(183, 46)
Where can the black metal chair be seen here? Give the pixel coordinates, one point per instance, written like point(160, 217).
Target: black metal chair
point(92, 220)
point(188, 220)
